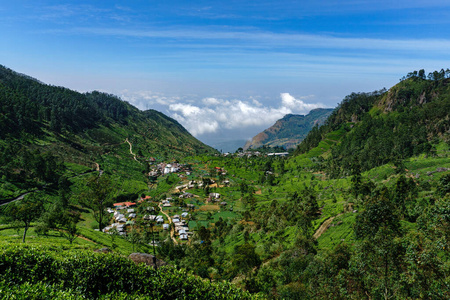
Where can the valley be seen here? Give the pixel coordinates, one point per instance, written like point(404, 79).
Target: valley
point(360, 209)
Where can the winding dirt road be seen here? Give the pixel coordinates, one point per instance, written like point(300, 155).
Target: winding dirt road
point(172, 230)
point(131, 149)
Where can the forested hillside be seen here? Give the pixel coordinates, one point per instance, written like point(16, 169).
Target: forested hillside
point(387, 126)
point(45, 128)
point(360, 211)
point(33, 110)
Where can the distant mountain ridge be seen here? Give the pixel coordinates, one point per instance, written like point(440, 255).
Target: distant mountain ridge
point(289, 131)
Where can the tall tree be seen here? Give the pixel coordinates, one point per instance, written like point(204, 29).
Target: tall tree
point(99, 194)
point(25, 211)
point(379, 251)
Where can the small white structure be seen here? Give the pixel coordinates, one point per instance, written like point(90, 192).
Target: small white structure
point(184, 215)
point(214, 196)
point(130, 210)
point(166, 226)
point(149, 217)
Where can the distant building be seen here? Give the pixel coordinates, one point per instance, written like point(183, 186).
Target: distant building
point(278, 154)
point(124, 204)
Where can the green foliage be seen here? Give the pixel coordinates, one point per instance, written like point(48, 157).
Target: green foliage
point(384, 126)
point(25, 211)
point(444, 185)
point(89, 275)
point(98, 196)
point(371, 185)
point(380, 212)
point(245, 258)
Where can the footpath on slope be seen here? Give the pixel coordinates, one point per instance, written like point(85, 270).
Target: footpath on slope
point(131, 149)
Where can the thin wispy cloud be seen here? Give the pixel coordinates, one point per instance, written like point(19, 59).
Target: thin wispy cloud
point(253, 39)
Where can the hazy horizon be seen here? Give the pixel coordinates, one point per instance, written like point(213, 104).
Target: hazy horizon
point(225, 70)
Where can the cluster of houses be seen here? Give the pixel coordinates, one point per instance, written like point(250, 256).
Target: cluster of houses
point(167, 168)
point(255, 153)
point(158, 219)
point(123, 214)
point(215, 198)
point(166, 203)
point(181, 227)
point(190, 185)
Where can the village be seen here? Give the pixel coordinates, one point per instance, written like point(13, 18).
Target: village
point(174, 214)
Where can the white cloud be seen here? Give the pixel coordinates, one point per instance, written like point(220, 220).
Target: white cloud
point(297, 104)
point(147, 99)
point(197, 120)
point(187, 110)
point(235, 114)
point(212, 114)
point(211, 101)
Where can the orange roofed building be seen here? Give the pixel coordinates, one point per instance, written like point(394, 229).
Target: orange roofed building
point(126, 204)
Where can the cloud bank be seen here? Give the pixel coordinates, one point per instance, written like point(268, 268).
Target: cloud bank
point(211, 115)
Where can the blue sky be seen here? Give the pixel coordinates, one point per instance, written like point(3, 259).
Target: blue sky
point(225, 69)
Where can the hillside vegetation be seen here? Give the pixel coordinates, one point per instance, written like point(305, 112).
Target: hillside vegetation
point(46, 273)
point(360, 211)
point(49, 134)
point(79, 126)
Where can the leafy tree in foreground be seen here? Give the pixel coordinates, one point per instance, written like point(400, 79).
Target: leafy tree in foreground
point(377, 265)
point(68, 225)
point(98, 196)
point(25, 211)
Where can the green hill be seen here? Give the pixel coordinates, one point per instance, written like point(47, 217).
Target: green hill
point(44, 127)
point(386, 126)
point(85, 122)
point(359, 211)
